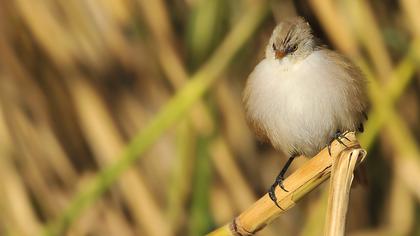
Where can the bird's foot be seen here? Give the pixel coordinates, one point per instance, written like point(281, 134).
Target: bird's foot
point(279, 181)
point(338, 136)
point(272, 193)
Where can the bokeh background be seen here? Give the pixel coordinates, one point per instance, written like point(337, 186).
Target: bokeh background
point(125, 117)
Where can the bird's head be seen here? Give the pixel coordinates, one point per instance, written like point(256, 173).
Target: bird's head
point(292, 39)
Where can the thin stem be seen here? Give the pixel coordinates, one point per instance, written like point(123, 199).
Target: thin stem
point(301, 182)
point(176, 108)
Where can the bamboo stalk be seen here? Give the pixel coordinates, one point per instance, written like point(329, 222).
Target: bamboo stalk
point(336, 26)
point(174, 110)
point(313, 173)
point(368, 31)
point(384, 98)
point(156, 16)
point(340, 184)
point(106, 142)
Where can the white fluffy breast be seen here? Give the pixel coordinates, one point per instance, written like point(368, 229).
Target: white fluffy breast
point(299, 105)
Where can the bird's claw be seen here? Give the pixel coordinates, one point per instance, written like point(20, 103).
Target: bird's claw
point(338, 136)
point(272, 193)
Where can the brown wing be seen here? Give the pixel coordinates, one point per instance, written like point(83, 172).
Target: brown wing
point(357, 83)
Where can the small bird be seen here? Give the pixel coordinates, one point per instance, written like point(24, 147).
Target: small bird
point(302, 95)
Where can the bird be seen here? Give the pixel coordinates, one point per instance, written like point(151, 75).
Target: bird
point(302, 95)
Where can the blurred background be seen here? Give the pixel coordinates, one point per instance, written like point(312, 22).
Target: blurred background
point(125, 117)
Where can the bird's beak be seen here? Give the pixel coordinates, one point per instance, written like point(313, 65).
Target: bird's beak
point(279, 54)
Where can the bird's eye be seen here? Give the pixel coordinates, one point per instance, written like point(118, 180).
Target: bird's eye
point(291, 49)
point(274, 47)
